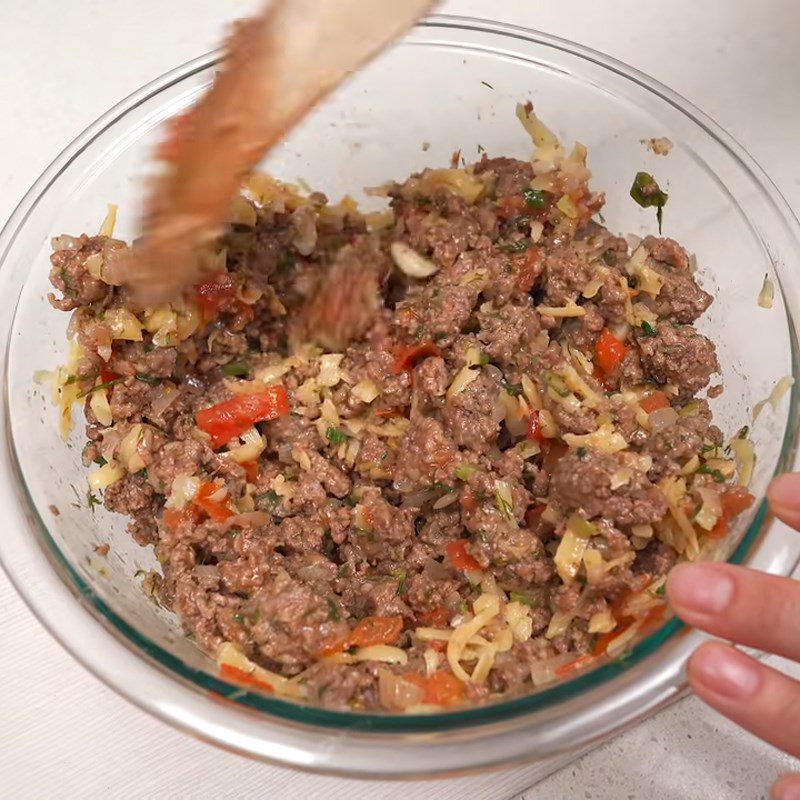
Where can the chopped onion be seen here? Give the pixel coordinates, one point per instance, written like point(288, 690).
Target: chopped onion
point(745, 454)
point(395, 693)
point(767, 293)
point(129, 449)
point(463, 378)
point(250, 519)
point(94, 265)
point(592, 288)
point(183, 491)
point(594, 565)
point(411, 262)
point(365, 390)
point(775, 396)
point(104, 476)
point(329, 371)
point(622, 477)
point(305, 225)
point(98, 402)
point(273, 372)
point(123, 324)
point(602, 622)
point(662, 418)
point(711, 509)
point(569, 554)
point(543, 672)
point(566, 205)
point(110, 222)
point(253, 445)
point(243, 212)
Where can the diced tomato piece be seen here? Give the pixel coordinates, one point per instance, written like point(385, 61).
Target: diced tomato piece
point(511, 206)
point(407, 357)
point(534, 514)
point(174, 517)
point(526, 265)
point(178, 131)
point(534, 428)
point(437, 617)
point(653, 401)
point(215, 509)
point(216, 294)
point(440, 689)
point(233, 417)
point(734, 501)
point(459, 557)
point(443, 689)
point(251, 471)
point(554, 450)
point(610, 351)
point(107, 375)
point(240, 676)
point(369, 631)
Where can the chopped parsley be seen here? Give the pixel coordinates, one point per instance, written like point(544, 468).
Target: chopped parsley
point(400, 574)
point(581, 453)
point(270, 499)
point(648, 194)
point(104, 385)
point(489, 85)
point(100, 461)
point(333, 611)
point(70, 380)
point(236, 369)
point(422, 200)
point(519, 246)
point(517, 597)
point(648, 330)
point(465, 471)
point(704, 469)
point(238, 618)
point(661, 589)
point(92, 500)
point(514, 389)
point(483, 359)
point(336, 435)
point(481, 148)
point(286, 261)
point(534, 198)
point(149, 379)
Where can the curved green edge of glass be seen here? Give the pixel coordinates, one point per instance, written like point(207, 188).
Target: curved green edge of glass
point(480, 715)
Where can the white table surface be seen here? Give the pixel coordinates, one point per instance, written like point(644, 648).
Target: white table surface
point(62, 63)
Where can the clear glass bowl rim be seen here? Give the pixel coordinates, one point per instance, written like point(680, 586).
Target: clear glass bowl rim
point(316, 717)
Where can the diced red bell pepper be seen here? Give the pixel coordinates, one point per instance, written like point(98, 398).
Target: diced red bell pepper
point(654, 401)
point(734, 501)
point(231, 418)
point(251, 471)
point(240, 676)
point(407, 357)
point(441, 688)
point(369, 631)
point(534, 428)
point(215, 509)
point(610, 351)
point(459, 557)
point(216, 294)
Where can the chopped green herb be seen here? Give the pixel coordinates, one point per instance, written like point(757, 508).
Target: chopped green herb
point(92, 500)
point(661, 591)
point(232, 533)
point(487, 84)
point(519, 246)
point(704, 469)
point(352, 650)
point(517, 597)
point(351, 500)
point(236, 369)
point(481, 148)
point(270, 499)
point(707, 448)
point(463, 607)
point(336, 435)
point(601, 217)
point(647, 193)
point(422, 200)
point(534, 198)
point(610, 258)
point(400, 574)
point(105, 385)
point(648, 330)
point(70, 380)
point(149, 379)
point(581, 453)
point(514, 389)
point(238, 618)
point(286, 261)
point(743, 432)
point(333, 611)
point(483, 359)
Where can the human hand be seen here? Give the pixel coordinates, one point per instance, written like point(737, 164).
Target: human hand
point(753, 609)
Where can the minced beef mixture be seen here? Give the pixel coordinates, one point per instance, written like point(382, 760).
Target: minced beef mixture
point(432, 455)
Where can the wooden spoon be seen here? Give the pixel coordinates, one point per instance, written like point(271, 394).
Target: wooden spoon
point(277, 67)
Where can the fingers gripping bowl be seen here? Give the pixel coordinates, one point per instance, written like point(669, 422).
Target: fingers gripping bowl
point(474, 75)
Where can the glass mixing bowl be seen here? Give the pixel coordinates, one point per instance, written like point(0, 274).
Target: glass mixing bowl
point(452, 83)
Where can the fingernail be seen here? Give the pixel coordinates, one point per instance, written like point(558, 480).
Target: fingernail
point(784, 492)
point(700, 587)
point(725, 672)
